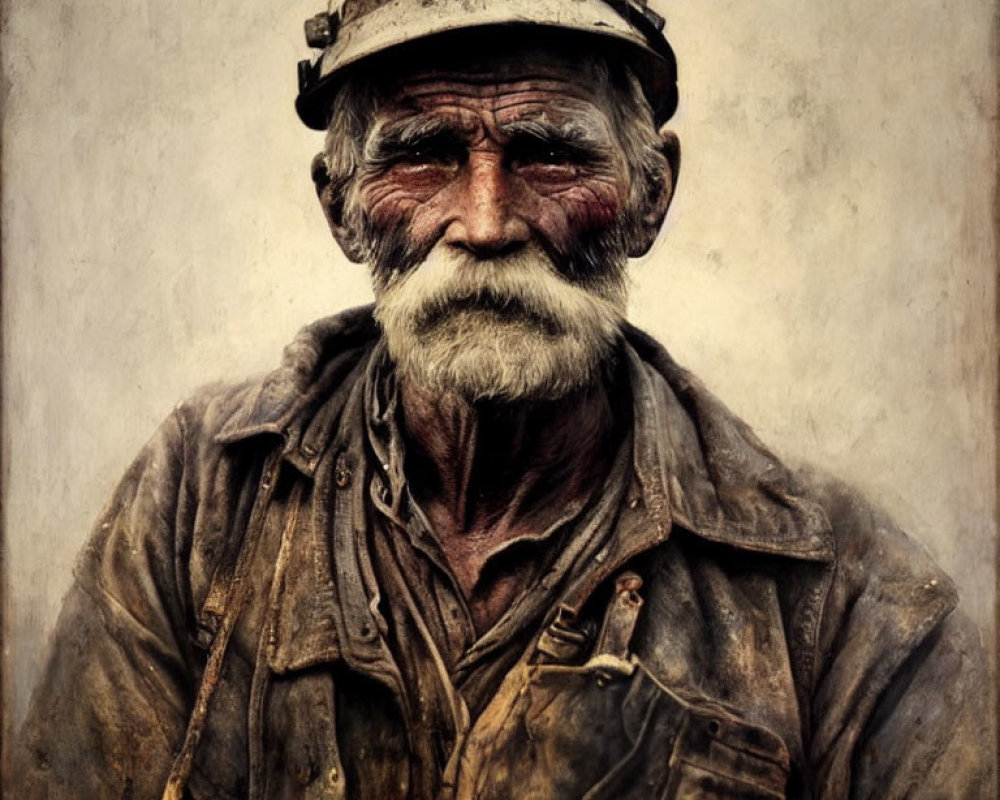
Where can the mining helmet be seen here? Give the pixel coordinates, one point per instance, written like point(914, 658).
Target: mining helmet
point(353, 30)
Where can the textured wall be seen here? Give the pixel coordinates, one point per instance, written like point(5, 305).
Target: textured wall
point(828, 267)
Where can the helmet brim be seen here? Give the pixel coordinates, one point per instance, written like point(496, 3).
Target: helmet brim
point(656, 70)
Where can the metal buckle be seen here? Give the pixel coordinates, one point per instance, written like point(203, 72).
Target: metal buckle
point(561, 642)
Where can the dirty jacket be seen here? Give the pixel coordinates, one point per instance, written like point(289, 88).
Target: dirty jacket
point(746, 632)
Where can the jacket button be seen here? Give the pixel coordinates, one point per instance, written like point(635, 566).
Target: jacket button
point(342, 476)
point(304, 774)
point(333, 775)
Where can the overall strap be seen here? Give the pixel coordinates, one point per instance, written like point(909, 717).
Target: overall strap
point(239, 590)
point(620, 618)
point(562, 641)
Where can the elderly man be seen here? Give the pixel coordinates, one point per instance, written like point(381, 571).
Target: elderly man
point(486, 540)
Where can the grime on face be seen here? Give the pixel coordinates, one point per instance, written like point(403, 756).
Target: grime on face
point(493, 180)
point(489, 161)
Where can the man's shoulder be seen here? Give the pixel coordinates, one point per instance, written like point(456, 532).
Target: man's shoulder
point(319, 361)
point(866, 537)
point(884, 581)
point(862, 602)
point(756, 501)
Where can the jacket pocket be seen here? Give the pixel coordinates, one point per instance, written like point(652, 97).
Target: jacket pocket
point(608, 730)
point(697, 783)
point(717, 755)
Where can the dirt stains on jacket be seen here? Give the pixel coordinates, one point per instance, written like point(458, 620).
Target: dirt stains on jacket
point(789, 640)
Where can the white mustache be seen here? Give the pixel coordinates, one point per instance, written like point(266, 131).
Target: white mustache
point(521, 285)
point(508, 328)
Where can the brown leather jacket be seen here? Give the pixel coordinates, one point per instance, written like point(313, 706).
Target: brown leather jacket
point(787, 640)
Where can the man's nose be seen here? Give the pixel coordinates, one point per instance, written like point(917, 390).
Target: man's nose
point(487, 223)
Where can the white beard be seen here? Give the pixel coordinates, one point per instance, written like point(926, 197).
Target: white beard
point(510, 328)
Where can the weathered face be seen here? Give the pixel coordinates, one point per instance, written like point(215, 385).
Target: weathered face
point(492, 203)
point(486, 163)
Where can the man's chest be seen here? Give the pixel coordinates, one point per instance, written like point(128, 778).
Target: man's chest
point(702, 693)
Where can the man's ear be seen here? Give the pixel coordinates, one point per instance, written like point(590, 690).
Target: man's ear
point(659, 195)
point(331, 198)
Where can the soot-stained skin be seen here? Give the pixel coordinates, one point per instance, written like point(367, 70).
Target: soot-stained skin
point(488, 161)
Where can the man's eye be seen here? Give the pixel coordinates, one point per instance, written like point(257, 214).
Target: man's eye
point(549, 159)
point(554, 155)
point(545, 155)
point(428, 155)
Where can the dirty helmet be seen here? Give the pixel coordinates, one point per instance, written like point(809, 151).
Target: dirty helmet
point(354, 30)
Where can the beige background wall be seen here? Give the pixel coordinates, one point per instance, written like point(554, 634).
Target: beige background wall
point(828, 267)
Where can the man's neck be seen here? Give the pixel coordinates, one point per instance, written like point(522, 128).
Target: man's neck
point(487, 473)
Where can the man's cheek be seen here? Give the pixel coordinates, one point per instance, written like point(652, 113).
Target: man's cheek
point(390, 209)
point(393, 199)
point(576, 212)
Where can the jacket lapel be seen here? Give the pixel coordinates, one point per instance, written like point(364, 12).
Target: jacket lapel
point(720, 482)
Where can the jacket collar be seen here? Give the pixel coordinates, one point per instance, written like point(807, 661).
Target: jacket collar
point(293, 400)
point(696, 463)
point(718, 480)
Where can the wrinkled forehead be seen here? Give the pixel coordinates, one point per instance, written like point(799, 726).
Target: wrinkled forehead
point(502, 88)
point(483, 71)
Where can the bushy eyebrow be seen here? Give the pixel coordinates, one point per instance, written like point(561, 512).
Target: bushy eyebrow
point(570, 134)
point(400, 137)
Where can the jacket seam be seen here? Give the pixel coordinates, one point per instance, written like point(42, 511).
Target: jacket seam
point(105, 601)
point(188, 610)
point(817, 626)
